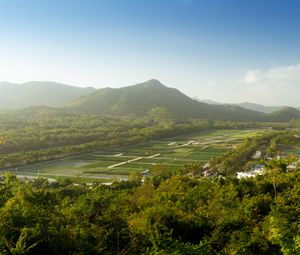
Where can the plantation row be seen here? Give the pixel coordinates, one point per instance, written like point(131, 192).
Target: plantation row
point(167, 152)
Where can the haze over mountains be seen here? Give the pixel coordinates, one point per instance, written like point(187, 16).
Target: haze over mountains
point(136, 101)
point(261, 108)
point(247, 105)
point(34, 93)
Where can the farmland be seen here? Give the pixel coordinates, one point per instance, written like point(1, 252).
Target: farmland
point(118, 163)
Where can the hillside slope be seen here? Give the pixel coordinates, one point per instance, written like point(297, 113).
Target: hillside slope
point(283, 115)
point(139, 99)
point(17, 96)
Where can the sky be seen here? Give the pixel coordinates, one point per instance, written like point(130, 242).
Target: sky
point(225, 50)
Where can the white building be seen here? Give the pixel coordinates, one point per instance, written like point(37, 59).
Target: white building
point(256, 170)
point(293, 166)
point(257, 155)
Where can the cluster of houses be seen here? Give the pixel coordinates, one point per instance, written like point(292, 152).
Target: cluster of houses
point(259, 169)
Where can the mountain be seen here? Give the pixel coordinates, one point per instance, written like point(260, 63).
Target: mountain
point(283, 115)
point(260, 108)
point(34, 93)
point(139, 99)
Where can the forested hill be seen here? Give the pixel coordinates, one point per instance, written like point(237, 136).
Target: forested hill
point(17, 96)
point(284, 115)
point(140, 99)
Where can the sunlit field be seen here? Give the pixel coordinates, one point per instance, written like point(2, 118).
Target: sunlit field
point(120, 162)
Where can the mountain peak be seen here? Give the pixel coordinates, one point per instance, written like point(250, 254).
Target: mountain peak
point(153, 82)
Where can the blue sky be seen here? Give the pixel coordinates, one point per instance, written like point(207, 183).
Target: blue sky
point(225, 50)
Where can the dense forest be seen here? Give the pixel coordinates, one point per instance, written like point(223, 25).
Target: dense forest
point(168, 214)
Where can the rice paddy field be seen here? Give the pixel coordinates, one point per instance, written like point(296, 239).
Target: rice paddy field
point(120, 162)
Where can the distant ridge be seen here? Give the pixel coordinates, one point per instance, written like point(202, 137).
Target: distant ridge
point(260, 108)
point(247, 105)
point(34, 93)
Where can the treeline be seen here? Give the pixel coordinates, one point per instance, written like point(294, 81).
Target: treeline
point(44, 137)
point(111, 140)
point(33, 137)
point(168, 214)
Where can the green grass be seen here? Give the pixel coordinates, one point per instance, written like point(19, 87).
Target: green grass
point(85, 166)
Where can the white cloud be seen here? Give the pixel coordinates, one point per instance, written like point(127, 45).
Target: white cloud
point(252, 76)
point(278, 76)
point(276, 85)
point(286, 75)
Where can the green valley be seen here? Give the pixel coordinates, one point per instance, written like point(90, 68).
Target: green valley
point(173, 153)
point(147, 170)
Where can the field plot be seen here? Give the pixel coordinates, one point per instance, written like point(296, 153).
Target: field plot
point(120, 162)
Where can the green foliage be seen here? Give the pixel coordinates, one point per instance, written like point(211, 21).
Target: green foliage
point(182, 215)
point(283, 115)
point(161, 116)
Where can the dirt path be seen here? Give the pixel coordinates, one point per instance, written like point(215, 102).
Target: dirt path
point(124, 162)
point(153, 156)
point(183, 145)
